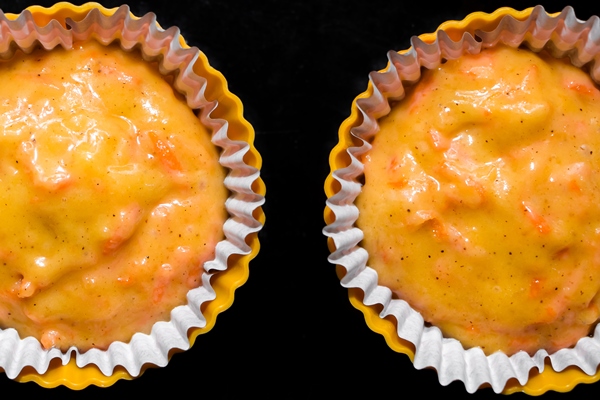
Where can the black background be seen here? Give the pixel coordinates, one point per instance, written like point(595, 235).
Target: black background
point(291, 332)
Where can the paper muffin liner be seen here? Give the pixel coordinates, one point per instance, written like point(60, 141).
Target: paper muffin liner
point(243, 181)
point(562, 35)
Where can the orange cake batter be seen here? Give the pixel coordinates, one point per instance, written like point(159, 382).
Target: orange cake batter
point(111, 196)
point(481, 202)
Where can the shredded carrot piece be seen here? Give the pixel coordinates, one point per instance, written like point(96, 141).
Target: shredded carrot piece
point(164, 150)
point(393, 168)
point(439, 230)
point(537, 220)
point(393, 164)
point(399, 184)
point(551, 312)
point(535, 288)
point(580, 88)
point(574, 185)
point(50, 338)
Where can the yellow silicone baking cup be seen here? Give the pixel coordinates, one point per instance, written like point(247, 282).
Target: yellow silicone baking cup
point(224, 283)
point(538, 383)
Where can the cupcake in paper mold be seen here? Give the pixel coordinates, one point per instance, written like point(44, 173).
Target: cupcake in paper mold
point(462, 201)
point(131, 191)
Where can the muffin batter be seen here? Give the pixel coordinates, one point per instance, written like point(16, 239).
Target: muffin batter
point(111, 196)
point(480, 206)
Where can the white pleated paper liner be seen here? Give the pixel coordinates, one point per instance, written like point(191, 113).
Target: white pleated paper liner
point(562, 35)
point(163, 46)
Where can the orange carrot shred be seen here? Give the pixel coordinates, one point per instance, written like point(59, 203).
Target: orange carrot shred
point(164, 150)
point(574, 186)
point(551, 312)
point(535, 288)
point(580, 88)
point(537, 220)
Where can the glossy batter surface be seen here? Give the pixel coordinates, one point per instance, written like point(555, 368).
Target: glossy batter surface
point(481, 203)
point(111, 196)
